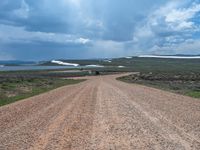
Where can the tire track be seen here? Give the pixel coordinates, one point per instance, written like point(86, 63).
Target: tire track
point(102, 113)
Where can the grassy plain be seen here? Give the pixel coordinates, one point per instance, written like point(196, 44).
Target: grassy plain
point(15, 86)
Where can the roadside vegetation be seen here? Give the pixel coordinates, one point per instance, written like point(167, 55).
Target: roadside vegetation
point(177, 75)
point(181, 83)
point(14, 87)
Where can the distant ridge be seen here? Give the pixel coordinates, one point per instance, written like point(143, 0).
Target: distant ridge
point(16, 62)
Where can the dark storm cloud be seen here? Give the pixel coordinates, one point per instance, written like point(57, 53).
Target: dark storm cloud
point(105, 28)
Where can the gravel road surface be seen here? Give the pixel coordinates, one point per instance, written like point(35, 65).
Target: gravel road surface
point(102, 114)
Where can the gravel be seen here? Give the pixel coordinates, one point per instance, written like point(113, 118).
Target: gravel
point(102, 113)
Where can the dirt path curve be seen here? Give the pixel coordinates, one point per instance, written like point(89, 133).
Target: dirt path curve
point(102, 113)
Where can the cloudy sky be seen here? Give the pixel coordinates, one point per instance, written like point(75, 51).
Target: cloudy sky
point(52, 29)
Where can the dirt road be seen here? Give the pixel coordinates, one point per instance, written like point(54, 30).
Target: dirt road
point(102, 113)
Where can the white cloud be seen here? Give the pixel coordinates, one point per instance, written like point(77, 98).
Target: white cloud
point(185, 25)
point(169, 29)
point(23, 11)
point(83, 40)
point(143, 32)
point(180, 18)
point(174, 16)
point(174, 39)
point(186, 47)
point(189, 46)
point(9, 34)
point(184, 14)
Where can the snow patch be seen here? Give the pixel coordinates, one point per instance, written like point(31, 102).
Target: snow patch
point(109, 61)
point(128, 57)
point(94, 66)
point(121, 66)
point(64, 63)
point(172, 57)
